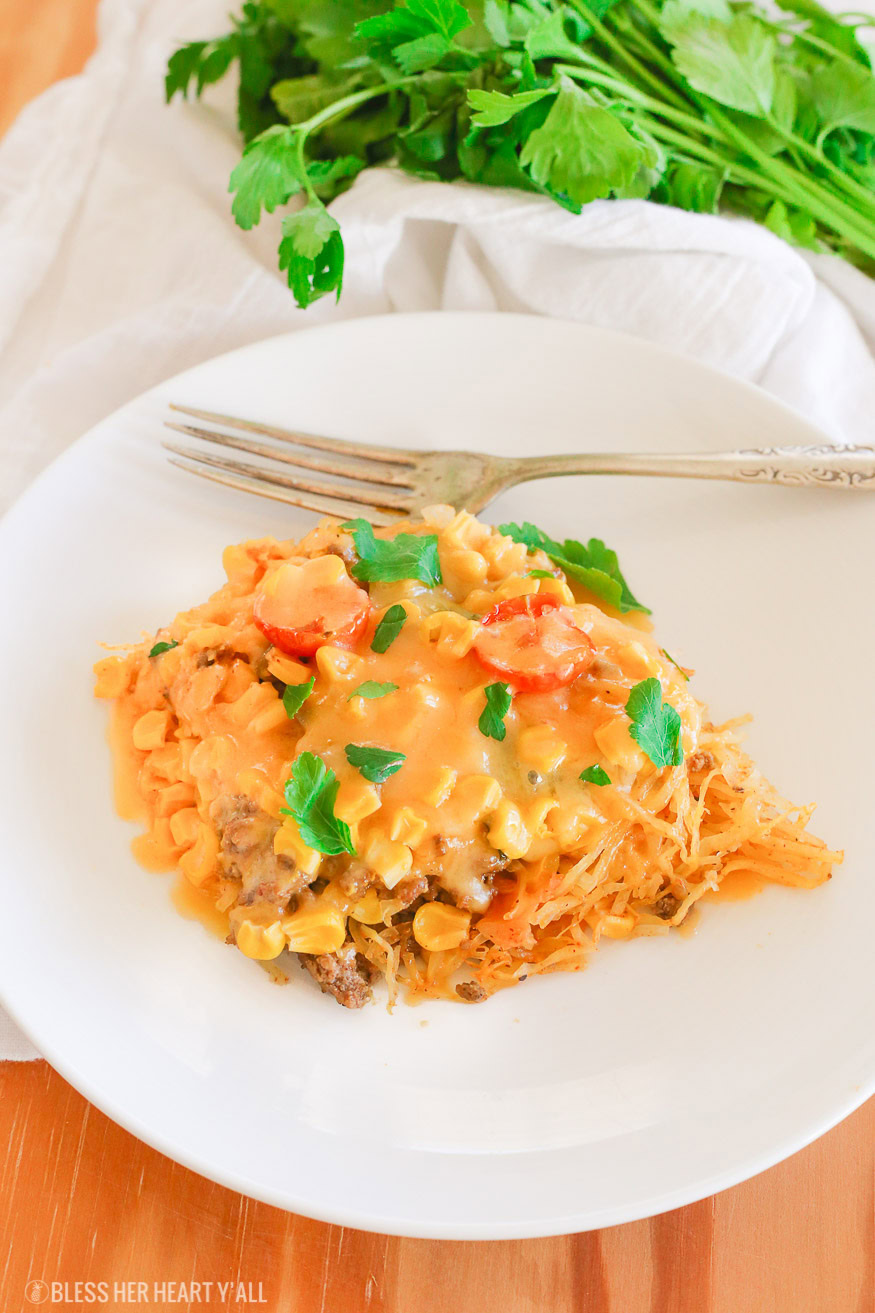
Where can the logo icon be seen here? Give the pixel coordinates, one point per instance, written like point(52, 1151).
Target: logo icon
point(36, 1292)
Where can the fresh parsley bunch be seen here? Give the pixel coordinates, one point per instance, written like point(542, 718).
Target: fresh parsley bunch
point(702, 104)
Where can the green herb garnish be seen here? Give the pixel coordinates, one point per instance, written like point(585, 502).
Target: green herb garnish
point(491, 722)
point(540, 574)
point(376, 764)
point(389, 628)
point(670, 658)
point(700, 104)
point(372, 689)
point(656, 726)
point(389, 560)
point(311, 791)
point(595, 775)
point(163, 647)
point(296, 695)
point(594, 565)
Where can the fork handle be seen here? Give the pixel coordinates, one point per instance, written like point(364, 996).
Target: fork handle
point(823, 466)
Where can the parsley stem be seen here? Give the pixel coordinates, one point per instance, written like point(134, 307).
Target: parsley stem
point(346, 103)
point(622, 52)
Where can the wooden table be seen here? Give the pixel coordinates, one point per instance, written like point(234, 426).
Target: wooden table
point(81, 1200)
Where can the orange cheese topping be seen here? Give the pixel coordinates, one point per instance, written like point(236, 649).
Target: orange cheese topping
point(491, 826)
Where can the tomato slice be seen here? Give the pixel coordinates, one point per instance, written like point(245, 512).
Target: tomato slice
point(534, 643)
point(300, 608)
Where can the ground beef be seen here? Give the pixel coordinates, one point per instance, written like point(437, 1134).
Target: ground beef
point(700, 761)
point(346, 974)
point(246, 845)
point(470, 992)
point(666, 906)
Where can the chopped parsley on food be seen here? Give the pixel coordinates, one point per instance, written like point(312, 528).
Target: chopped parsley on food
point(372, 688)
point(388, 628)
point(491, 722)
point(295, 695)
point(388, 560)
point(376, 764)
point(163, 647)
point(311, 792)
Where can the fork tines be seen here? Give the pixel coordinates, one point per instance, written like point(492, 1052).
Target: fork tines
point(365, 481)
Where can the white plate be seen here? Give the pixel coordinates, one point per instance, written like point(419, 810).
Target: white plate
point(671, 1068)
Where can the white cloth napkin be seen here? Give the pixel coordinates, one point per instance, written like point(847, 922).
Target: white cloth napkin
point(120, 264)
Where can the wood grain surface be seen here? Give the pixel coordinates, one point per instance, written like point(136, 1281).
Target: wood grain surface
point(83, 1201)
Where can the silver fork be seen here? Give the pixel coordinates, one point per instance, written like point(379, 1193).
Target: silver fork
point(388, 482)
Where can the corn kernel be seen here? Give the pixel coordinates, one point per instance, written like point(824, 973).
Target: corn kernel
point(437, 792)
point(464, 531)
point(408, 827)
point(150, 730)
point(439, 515)
point(335, 663)
point(256, 698)
point(637, 661)
point(516, 586)
point(367, 909)
point(172, 798)
point(269, 719)
point(556, 588)
point(325, 571)
point(287, 669)
point(199, 863)
point(507, 831)
point(569, 825)
point(112, 677)
point(437, 927)
point(207, 636)
point(184, 826)
point(617, 927)
point(287, 842)
point(536, 813)
point(314, 929)
point(540, 746)
point(479, 600)
point(261, 942)
point(356, 799)
point(476, 795)
point(390, 859)
point(618, 746)
point(462, 570)
point(239, 566)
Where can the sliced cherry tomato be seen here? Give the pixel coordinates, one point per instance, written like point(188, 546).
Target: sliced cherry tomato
point(300, 608)
point(534, 643)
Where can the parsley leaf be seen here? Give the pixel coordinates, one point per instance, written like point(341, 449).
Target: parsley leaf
point(595, 775)
point(389, 628)
point(372, 689)
point(656, 726)
point(582, 151)
point(540, 574)
point(387, 560)
point(163, 647)
point(268, 175)
point(844, 95)
point(491, 723)
point(493, 108)
point(311, 253)
point(592, 564)
point(201, 61)
point(296, 695)
point(669, 657)
point(311, 791)
point(376, 764)
point(733, 62)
